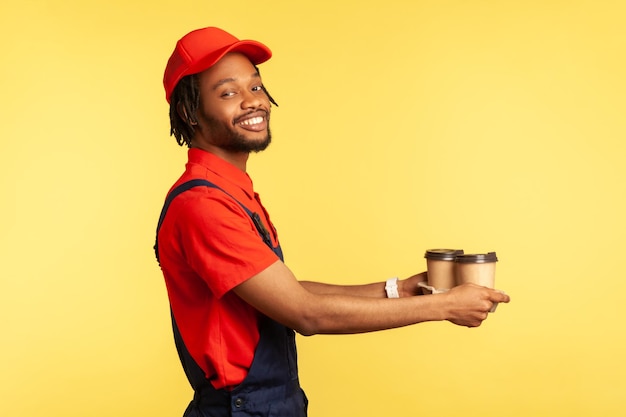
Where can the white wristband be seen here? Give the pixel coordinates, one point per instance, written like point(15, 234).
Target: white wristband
point(391, 287)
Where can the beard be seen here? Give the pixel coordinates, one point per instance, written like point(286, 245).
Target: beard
point(228, 139)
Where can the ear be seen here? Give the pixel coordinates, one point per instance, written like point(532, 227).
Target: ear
point(182, 112)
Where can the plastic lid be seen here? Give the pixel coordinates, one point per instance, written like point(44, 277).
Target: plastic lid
point(443, 254)
point(477, 258)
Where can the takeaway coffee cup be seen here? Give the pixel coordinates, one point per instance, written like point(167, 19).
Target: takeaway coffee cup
point(441, 267)
point(477, 268)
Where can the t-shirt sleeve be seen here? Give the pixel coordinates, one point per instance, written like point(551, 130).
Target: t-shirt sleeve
point(220, 242)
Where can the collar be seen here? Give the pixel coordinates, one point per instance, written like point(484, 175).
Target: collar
point(221, 168)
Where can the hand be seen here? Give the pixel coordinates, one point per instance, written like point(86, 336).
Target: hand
point(469, 304)
point(408, 287)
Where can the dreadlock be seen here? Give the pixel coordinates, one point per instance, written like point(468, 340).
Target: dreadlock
point(185, 101)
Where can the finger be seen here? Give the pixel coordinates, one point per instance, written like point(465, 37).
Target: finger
point(499, 297)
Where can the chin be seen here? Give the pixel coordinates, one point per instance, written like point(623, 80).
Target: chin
point(261, 146)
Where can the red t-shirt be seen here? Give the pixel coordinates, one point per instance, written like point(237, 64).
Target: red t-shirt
point(208, 245)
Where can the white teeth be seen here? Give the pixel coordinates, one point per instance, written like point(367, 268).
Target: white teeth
point(252, 121)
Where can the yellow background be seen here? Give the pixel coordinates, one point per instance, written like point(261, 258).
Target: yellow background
point(402, 126)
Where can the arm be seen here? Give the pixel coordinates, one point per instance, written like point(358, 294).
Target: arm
point(276, 293)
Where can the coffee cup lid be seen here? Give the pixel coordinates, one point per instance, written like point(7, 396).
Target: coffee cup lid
point(476, 258)
point(443, 254)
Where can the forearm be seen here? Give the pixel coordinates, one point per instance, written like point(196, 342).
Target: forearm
point(374, 290)
point(339, 314)
point(406, 288)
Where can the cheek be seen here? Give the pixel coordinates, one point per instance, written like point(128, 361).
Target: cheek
point(220, 112)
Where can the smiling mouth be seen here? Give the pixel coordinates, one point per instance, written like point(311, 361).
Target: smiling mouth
point(255, 122)
point(252, 121)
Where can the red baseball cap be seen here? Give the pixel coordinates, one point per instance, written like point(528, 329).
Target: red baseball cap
point(200, 49)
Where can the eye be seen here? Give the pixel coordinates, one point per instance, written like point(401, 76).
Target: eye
point(228, 93)
point(257, 88)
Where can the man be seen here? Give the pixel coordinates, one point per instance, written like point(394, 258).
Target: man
point(235, 304)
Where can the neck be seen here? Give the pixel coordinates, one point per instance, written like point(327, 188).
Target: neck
point(238, 159)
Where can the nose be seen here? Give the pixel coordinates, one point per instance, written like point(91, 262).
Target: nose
point(251, 99)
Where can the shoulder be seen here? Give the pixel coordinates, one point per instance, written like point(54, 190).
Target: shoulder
point(206, 202)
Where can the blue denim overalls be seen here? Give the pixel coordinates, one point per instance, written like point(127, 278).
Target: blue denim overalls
point(271, 388)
